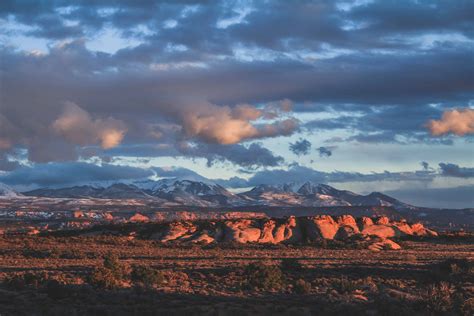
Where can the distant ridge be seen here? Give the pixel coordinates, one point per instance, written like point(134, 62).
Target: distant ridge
point(208, 194)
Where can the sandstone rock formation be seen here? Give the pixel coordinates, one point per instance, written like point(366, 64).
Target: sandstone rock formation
point(137, 218)
point(376, 232)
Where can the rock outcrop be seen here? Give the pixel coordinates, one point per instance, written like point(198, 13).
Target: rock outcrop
point(375, 233)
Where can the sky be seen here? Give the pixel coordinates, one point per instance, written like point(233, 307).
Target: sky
point(362, 95)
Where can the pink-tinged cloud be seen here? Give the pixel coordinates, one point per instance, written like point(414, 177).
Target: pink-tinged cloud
point(78, 127)
point(230, 125)
point(459, 122)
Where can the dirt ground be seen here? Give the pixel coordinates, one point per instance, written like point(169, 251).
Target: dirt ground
point(52, 276)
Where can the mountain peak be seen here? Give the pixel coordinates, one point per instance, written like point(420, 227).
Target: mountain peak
point(316, 188)
point(7, 192)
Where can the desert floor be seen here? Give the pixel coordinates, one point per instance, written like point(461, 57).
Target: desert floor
point(62, 275)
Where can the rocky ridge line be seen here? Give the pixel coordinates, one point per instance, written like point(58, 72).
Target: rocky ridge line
point(373, 233)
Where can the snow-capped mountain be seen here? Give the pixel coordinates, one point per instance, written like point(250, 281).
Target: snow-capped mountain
point(176, 192)
point(194, 193)
point(114, 191)
point(184, 192)
point(7, 193)
point(293, 194)
point(315, 194)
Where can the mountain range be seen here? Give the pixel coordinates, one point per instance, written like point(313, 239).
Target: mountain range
point(208, 194)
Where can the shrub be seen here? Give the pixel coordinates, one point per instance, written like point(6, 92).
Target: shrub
point(456, 266)
point(265, 277)
point(147, 276)
point(439, 297)
point(291, 265)
point(411, 258)
point(20, 282)
point(368, 283)
point(110, 275)
point(344, 285)
point(104, 278)
point(453, 269)
point(467, 307)
point(113, 263)
point(302, 287)
point(72, 254)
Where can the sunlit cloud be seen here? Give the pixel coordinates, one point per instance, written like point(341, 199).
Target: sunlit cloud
point(459, 122)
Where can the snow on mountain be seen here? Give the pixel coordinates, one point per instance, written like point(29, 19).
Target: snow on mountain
point(121, 190)
point(181, 192)
point(196, 193)
point(309, 188)
point(316, 195)
point(176, 191)
point(8, 193)
point(293, 194)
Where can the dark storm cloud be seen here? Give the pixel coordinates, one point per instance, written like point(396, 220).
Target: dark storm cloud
point(453, 170)
point(61, 174)
point(394, 17)
point(298, 174)
point(251, 156)
point(301, 147)
point(273, 25)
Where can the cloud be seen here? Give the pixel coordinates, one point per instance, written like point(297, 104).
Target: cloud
point(325, 151)
point(453, 170)
point(77, 126)
point(7, 164)
point(425, 165)
point(71, 173)
point(250, 156)
point(299, 174)
point(221, 86)
point(225, 125)
point(397, 124)
point(459, 122)
point(301, 147)
point(178, 172)
point(453, 197)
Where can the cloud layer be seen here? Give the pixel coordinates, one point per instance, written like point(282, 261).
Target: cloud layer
point(254, 84)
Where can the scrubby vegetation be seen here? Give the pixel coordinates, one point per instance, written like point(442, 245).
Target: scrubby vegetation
point(264, 276)
point(111, 274)
point(147, 276)
point(302, 287)
point(291, 265)
point(117, 275)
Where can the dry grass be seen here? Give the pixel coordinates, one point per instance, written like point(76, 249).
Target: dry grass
point(55, 275)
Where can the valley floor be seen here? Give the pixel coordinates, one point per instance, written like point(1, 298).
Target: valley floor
point(68, 275)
